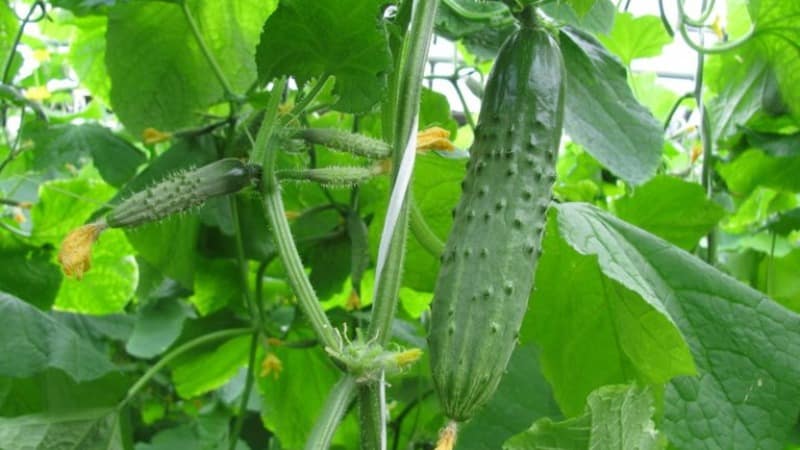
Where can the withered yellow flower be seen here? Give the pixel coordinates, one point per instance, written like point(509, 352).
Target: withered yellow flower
point(75, 255)
point(434, 138)
point(271, 365)
point(154, 136)
point(408, 357)
point(447, 437)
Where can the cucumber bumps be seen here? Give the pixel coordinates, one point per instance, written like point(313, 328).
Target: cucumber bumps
point(488, 263)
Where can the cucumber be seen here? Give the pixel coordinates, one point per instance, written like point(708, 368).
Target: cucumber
point(489, 260)
point(341, 140)
point(183, 191)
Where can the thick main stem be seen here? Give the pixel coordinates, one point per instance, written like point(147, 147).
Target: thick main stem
point(408, 87)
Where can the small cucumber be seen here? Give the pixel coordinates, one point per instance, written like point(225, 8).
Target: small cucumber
point(332, 176)
point(183, 191)
point(489, 260)
point(336, 139)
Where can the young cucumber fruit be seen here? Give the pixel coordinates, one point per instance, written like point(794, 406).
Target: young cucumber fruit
point(488, 263)
point(183, 191)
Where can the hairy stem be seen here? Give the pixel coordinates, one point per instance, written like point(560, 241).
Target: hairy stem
point(425, 236)
point(339, 399)
point(248, 386)
point(408, 87)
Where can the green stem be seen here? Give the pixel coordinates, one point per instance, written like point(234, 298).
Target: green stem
point(675, 107)
point(721, 48)
point(309, 97)
point(13, 50)
point(226, 86)
point(248, 386)
point(281, 232)
point(704, 14)
point(169, 357)
point(241, 262)
point(339, 399)
point(408, 86)
point(425, 236)
point(463, 101)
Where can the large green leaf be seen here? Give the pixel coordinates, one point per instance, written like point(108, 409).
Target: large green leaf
point(616, 417)
point(522, 397)
point(596, 331)
point(30, 274)
point(32, 342)
point(87, 52)
point(207, 432)
point(158, 324)
point(8, 30)
point(738, 77)
point(672, 209)
point(58, 145)
point(635, 37)
point(216, 285)
point(64, 205)
point(746, 390)
point(777, 37)
point(159, 75)
point(204, 372)
point(602, 114)
point(754, 167)
point(345, 41)
point(93, 429)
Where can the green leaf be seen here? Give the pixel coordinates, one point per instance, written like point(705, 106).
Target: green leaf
point(785, 222)
point(777, 37)
point(216, 285)
point(64, 205)
point(94, 429)
point(87, 53)
point(8, 30)
point(754, 168)
point(30, 274)
point(599, 19)
point(635, 37)
point(652, 94)
point(293, 399)
point(597, 331)
point(110, 283)
point(582, 7)
point(774, 144)
point(204, 372)
point(32, 341)
point(672, 209)
point(616, 417)
point(158, 324)
point(522, 397)
point(54, 390)
point(602, 114)
point(434, 110)
point(346, 41)
point(207, 432)
point(160, 77)
point(739, 78)
point(58, 145)
point(752, 383)
point(781, 275)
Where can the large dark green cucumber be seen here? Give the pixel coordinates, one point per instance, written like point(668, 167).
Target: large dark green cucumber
point(183, 191)
point(488, 263)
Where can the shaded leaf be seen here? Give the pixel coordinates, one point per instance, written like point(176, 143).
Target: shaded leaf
point(94, 429)
point(755, 168)
point(204, 372)
point(731, 330)
point(207, 432)
point(158, 324)
point(672, 209)
point(32, 342)
point(522, 397)
point(346, 41)
point(160, 77)
point(30, 275)
point(602, 114)
point(635, 37)
point(616, 417)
